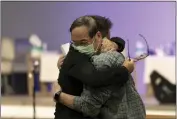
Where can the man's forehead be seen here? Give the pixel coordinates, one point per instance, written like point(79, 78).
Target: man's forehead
point(79, 33)
point(80, 30)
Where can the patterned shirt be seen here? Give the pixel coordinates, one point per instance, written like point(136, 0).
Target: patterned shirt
point(111, 102)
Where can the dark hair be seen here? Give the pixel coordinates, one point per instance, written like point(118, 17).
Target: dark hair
point(103, 24)
point(87, 21)
point(94, 23)
point(120, 42)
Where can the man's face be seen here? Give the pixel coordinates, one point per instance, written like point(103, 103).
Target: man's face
point(80, 36)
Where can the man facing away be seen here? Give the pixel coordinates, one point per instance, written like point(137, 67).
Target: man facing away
point(78, 69)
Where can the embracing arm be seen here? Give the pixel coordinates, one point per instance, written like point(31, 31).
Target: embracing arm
point(89, 105)
point(89, 75)
point(67, 100)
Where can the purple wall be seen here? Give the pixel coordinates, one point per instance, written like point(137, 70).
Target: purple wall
point(51, 21)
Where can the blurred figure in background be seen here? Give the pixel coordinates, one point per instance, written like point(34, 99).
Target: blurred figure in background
point(7, 59)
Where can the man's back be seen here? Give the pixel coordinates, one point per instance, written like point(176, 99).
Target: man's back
point(69, 85)
point(111, 102)
point(124, 102)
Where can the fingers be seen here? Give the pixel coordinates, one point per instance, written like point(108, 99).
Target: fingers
point(60, 63)
point(62, 56)
point(130, 60)
point(55, 87)
point(60, 60)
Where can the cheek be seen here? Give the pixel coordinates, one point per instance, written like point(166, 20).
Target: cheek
point(115, 46)
point(89, 42)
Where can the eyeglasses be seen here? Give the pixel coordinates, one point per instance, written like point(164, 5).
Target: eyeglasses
point(142, 56)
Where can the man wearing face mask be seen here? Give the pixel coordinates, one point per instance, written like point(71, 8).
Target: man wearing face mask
point(98, 101)
point(109, 102)
point(78, 69)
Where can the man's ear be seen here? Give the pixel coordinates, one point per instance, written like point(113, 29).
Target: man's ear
point(99, 35)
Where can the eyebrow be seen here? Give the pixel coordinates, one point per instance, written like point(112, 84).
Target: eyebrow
point(83, 40)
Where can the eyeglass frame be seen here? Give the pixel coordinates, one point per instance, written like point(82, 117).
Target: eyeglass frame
point(142, 56)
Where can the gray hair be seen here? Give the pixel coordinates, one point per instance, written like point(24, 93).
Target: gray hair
point(87, 21)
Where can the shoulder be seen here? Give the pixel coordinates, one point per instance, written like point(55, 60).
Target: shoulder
point(113, 55)
point(108, 58)
point(76, 56)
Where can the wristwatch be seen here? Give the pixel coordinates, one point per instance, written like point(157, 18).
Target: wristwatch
point(57, 96)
